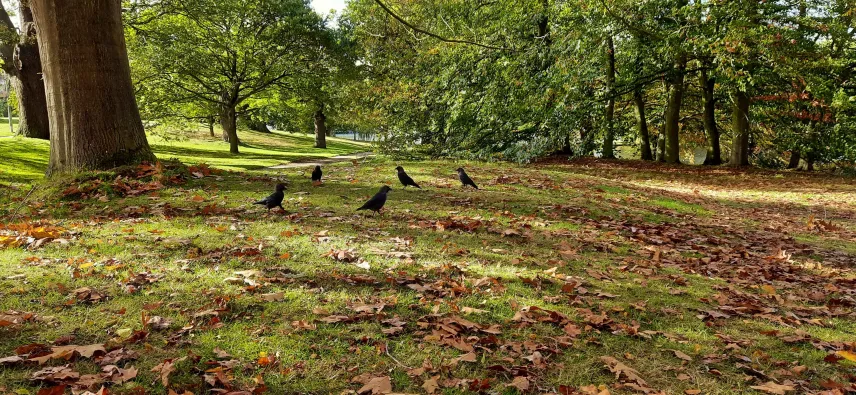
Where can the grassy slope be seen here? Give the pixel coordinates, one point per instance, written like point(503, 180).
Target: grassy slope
point(28, 157)
point(583, 209)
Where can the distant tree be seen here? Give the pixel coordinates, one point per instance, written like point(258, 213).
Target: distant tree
point(225, 52)
point(21, 62)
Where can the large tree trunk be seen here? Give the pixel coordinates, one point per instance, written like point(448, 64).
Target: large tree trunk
point(23, 65)
point(714, 156)
point(642, 123)
point(673, 112)
point(229, 122)
point(740, 127)
point(320, 128)
point(794, 163)
point(609, 136)
point(94, 119)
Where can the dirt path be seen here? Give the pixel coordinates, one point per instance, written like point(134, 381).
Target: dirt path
point(323, 161)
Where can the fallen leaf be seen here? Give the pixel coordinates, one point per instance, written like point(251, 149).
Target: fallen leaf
point(772, 387)
point(377, 385)
point(521, 383)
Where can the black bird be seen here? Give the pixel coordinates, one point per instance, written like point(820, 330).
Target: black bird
point(377, 201)
point(465, 179)
point(275, 199)
point(316, 174)
point(405, 179)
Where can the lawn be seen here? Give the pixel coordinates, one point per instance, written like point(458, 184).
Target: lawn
point(568, 277)
point(28, 157)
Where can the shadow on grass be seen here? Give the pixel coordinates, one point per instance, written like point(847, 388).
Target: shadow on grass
point(24, 160)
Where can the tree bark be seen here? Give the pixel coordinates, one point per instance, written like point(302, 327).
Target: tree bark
point(94, 119)
point(673, 112)
point(229, 122)
point(794, 163)
point(609, 136)
point(320, 128)
point(211, 126)
point(23, 65)
point(642, 123)
point(714, 154)
point(740, 126)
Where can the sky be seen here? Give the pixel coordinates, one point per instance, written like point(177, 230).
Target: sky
point(324, 6)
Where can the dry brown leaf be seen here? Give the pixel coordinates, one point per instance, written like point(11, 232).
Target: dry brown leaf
point(521, 383)
point(377, 385)
point(165, 368)
point(772, 387)
point(430, 385)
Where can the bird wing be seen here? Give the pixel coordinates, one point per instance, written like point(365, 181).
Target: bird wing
point(406, 179)
point(375, 203)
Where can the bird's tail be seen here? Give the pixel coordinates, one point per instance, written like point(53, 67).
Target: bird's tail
point(260, 202)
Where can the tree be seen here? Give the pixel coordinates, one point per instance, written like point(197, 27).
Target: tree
point(226, 52)
point(320, 128)
point(94, 119)
point(714, 154)
point(22, 63)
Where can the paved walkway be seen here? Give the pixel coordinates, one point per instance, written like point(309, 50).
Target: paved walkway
point(323, 161)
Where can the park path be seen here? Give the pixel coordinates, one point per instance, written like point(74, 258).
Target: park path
point(322, 161)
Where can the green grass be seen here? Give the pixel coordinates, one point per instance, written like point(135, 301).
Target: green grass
point(258, 150)
point(599, 232)
point(5, 130)
point(24, 160)
point(27, 158)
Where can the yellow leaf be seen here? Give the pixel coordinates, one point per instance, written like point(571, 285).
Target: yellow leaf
point(847, 355)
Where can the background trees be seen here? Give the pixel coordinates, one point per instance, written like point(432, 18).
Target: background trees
point(759, 82)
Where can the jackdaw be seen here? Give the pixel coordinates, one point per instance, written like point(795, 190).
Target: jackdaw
point(377, 201)
point(275, 199)
point(316, 174)
point(405, 179)
point(465, 179)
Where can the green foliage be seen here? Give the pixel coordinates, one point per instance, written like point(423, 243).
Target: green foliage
point(194, 60)
point(546, 88)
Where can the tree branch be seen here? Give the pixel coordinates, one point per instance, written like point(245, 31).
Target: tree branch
point(441, 38)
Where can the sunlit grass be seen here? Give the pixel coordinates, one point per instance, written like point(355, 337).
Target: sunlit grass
point(570, 224)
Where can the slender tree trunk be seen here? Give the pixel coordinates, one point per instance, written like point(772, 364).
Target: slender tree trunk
point(609, 136)
point(94, 119)
point(740, 126)
point(794, 163)
point(320, 128)
point(714, 154)
point(586, 137)
point(229, 122)
point(642, 124)
point(23, 65)
point(809, 161)
point(211, 126)
point(673, 112)
point(661, 133)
